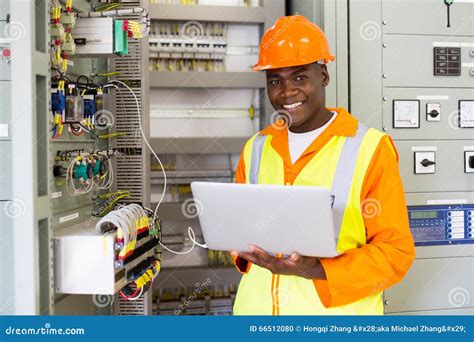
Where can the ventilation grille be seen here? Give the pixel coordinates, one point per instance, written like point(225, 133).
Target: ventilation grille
point(129, 177)
point(130, 308)
point(130, 167)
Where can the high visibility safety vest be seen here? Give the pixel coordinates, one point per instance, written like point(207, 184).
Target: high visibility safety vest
point(339, 166)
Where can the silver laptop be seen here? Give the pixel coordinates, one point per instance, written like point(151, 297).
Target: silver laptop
point(277, 218)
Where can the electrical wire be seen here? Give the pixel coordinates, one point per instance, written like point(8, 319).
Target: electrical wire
point(101, 182)
point(131, 298)
point(112, 135)
point(146, 142)
point(191, 234)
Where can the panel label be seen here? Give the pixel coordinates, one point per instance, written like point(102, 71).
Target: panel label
point(57, 194)
point(68, 217)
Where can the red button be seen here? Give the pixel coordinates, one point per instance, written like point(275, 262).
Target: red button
point(6, 53)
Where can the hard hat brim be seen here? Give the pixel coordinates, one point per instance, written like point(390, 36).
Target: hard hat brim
point(258, 67)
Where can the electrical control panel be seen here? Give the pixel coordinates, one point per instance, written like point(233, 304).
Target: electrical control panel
point(95, 151)
point(414, 82)
point(442, 225)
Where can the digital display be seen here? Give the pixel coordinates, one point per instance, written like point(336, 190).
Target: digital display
point(423, 215)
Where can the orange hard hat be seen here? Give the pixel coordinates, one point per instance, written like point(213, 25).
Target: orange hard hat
point(292, 41)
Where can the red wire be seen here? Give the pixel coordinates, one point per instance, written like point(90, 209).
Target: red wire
point(121, 294)
point(75, 133)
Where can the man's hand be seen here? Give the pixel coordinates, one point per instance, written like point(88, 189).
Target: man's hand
point(297, 265)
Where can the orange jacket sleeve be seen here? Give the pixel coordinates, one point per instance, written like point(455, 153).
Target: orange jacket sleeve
point(390, 250)
point(242, 265)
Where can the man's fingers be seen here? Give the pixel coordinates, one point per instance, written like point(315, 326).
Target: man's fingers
point(295, 257)
point(262, 255)
point(263, 260)
point(245, 255)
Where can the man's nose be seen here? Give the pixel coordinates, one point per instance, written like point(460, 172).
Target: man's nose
point(289, 89)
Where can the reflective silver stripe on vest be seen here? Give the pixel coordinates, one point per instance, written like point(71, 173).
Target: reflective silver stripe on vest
point(257, 149)
point(341, 184)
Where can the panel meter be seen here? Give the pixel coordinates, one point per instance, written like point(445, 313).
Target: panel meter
point(406, 113)
point(466, 113)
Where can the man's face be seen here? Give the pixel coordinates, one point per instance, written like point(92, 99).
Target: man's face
point(298, 91)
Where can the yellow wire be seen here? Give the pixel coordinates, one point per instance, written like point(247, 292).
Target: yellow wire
point(109, 207)
point(113, 73)
point(110, 194)
point(108, 7)
point(112, 135)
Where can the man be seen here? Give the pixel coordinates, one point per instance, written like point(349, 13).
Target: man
point(327, 147)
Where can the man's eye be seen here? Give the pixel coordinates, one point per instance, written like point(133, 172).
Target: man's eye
point(274, 82)
point(300, 77)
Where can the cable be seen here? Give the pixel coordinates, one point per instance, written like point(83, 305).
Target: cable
point(192, 237)
point(146, 142)
point(109, 207)
point(121, 294)
point(94, 181)
point(112, 135)
point(191, 234)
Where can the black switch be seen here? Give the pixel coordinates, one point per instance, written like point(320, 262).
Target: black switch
point(434, 113)
point(426, 162)
point(471, 162)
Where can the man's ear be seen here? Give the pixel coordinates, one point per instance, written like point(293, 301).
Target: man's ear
point(325, 75)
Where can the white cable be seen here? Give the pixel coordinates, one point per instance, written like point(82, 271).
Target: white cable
point(192, 237)
point(147, 143)
point(108, 179)
point(191, 234)
point(113, 12)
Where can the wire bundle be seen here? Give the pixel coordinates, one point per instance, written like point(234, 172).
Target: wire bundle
point(111, 200)
point(63, 41)
point(140, 28)
point(91, 171)
point(135, 29)
point(129, 221)
point(191, 234)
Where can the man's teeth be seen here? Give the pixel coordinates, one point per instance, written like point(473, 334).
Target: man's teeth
point(293, 105)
